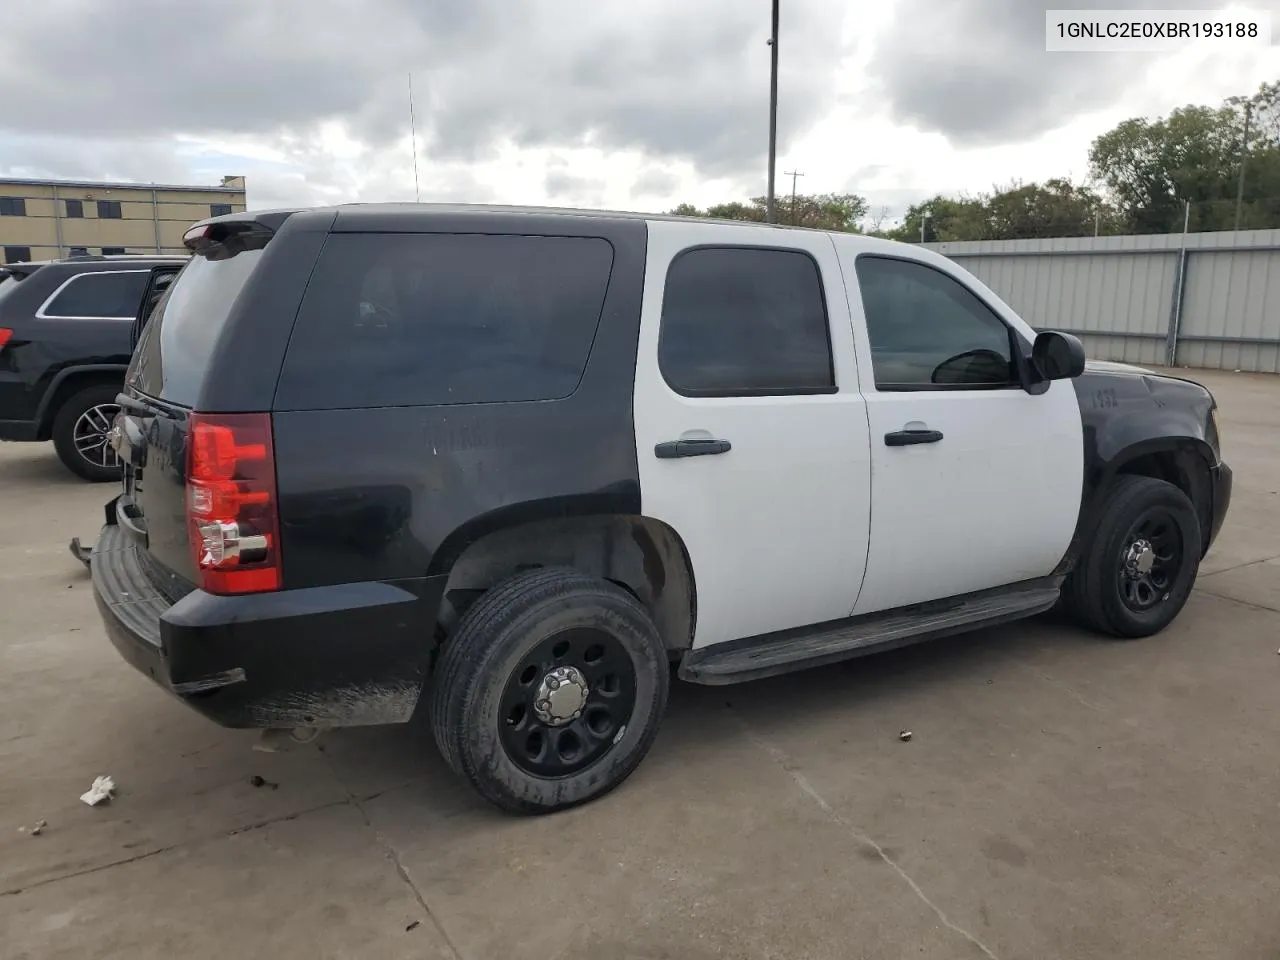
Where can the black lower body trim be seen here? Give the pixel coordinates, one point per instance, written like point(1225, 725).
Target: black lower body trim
point(22, 430)
point(1220, 478)
point(342, 655)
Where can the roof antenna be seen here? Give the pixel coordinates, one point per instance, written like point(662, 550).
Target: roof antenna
point(413, 137)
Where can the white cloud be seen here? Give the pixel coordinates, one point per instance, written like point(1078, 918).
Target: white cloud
point(575, 103)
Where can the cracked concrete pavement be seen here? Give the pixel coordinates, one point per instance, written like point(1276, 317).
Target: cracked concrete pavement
point(1062, 796)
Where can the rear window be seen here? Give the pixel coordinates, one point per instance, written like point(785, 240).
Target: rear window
point(180, 335)
point(424, 319)
point(106, 295)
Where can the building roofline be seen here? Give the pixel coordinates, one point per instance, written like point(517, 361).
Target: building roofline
point(116, 185)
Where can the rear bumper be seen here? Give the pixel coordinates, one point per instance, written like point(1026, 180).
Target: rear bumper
point(343, 655)
point(1220, 482)
point(19, 430)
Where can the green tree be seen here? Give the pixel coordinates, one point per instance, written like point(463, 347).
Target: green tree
point(1056, 208)
point(1153, 168)
point(825, 211)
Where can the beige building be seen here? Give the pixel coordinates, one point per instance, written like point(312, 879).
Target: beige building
point(43, 219)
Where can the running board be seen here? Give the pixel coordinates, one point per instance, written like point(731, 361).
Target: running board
point(772, 653)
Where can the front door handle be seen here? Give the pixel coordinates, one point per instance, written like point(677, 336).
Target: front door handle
point(905, 438)
point(690, 448)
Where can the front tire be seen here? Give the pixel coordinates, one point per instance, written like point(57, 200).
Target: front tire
point(80, 429)
point(1137, 571)
point(550, 691)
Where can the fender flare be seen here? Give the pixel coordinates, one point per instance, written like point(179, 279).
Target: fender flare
point(43, 411)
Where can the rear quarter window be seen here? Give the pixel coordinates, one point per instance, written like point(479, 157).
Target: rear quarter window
point(394, 320)
point(113, 294)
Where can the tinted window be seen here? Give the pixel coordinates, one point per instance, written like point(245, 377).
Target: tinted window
point(113, 251)
point(928, 330)
point(109, 209)
point(17, 254)
point(99, 295)
point(401, 320)
point(75, 209)
point(13, 207)
point(173, 351)
point(742, 321)
point(219, 209)
point(78, 252)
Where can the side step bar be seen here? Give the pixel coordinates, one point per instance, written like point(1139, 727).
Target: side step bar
point(772, 653)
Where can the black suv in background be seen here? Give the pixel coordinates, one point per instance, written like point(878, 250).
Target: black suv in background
point(67, 329)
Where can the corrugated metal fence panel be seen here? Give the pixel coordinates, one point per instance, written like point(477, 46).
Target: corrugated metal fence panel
point(1232, 296)
point(1118, 293)
point(1250, 358)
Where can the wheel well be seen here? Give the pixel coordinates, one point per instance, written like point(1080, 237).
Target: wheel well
point(1186, 470)
point(642, 555)
point(73, 383)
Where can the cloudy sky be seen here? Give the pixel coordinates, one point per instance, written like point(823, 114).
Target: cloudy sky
point(636, 105)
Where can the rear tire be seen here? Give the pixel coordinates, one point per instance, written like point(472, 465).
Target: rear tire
point(80, 430)
point(550, 691)
point(1137, 571)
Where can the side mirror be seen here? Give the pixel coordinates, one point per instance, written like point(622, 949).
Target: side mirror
point(1057, 356)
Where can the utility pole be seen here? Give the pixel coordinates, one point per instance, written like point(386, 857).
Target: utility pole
point(413, 138)
point(771, 213)
point(793, 174)
point(1244, 153)
point(924, 223)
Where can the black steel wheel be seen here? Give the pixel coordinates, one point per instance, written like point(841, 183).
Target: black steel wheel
point(81, 433)
point(1151, 554)
point(550, 690)
point(1134, 575)
point(566, 701)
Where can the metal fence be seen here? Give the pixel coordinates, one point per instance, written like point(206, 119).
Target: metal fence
point(1194, 299)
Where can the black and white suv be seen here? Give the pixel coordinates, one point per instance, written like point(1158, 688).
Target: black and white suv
point(506, 465)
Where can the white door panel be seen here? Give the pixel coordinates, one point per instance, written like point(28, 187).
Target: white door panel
point(776, 528)
point(995, 499)
point(991, 503)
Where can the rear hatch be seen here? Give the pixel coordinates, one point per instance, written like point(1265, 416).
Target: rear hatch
point(162, 441)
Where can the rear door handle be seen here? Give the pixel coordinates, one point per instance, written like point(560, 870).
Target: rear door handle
point(690, 448)
point(905, 438)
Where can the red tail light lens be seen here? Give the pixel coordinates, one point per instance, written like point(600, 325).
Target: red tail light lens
point(232, 516)
point(5, 334)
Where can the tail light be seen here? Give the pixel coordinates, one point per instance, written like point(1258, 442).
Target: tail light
point(232, 516)
point(5, 335)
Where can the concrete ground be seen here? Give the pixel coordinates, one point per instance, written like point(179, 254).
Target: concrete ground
point(1063, 796)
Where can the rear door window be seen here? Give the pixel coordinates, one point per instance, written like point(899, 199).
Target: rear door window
point(745, 321)
point(423, 319)
point(174, 349)
point(106, 295)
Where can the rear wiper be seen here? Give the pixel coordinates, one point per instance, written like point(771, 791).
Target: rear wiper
point(132, 405)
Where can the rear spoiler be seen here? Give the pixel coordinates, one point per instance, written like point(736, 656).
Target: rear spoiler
point(220, 238)
point(19, 271)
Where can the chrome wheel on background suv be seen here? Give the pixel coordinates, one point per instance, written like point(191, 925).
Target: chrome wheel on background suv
point(82, 433)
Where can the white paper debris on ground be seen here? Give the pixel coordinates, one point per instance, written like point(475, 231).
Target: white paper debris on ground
point(103, 789)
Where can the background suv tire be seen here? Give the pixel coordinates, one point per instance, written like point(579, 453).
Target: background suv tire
point(80, 430)
point(550, 691)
